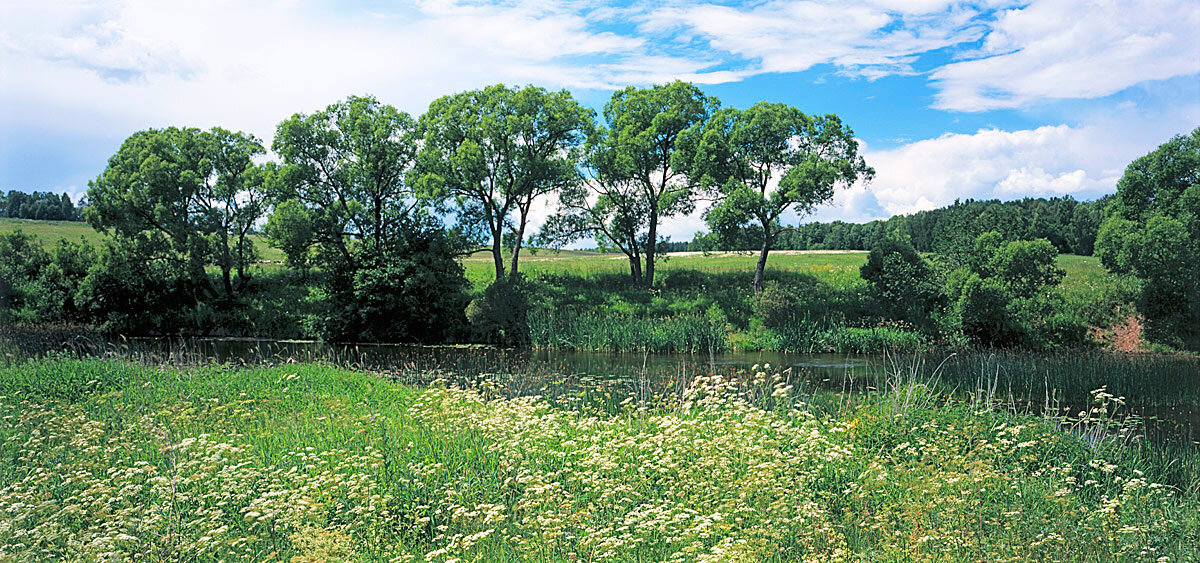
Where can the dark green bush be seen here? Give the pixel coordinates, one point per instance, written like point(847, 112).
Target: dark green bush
point(412, 290)
point(501, 314)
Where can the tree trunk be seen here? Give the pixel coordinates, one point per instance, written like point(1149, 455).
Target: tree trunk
point(635, 268)
point(760, 269)
point(651, 247)
point(516, 251)
point(497, 255)
point(225, 277)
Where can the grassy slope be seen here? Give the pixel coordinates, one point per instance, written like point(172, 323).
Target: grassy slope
point(50, 232)
point(110, 460)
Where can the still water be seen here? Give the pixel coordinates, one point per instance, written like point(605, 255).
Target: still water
point(1163, 390)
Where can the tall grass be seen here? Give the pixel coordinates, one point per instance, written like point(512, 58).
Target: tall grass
point(620, 333)
point(304, 462)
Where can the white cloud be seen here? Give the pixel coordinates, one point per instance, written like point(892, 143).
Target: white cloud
point(1084, 162)
point(1055, 49)
point(871, 39)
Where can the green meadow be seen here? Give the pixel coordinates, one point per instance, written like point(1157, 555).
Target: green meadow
point(50, 232)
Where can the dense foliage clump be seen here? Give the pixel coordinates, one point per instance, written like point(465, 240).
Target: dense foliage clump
point(41, 206)
point(1153, 232)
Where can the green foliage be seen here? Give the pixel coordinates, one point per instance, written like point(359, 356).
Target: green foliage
point(347, 164)
point(21, 261)
point(1025, 266)
point(1008, 295)
point(1153, 232)
point(497, 150)
point(903, 284)
point(500, 315)
point(608, 332)
point(633, 173)
point(290, 229)
point(983, 310)
point(735, 154)
point(124, 294)
point(186, 197)
point(777, 306)
point(41, 206)
point(411, 290)
point(950, 231)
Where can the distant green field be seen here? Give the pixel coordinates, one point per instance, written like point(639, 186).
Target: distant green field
point(839, 268)
point(1084, 273)
point(50, 232)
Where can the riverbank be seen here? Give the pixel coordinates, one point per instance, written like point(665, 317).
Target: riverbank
point(148, 462)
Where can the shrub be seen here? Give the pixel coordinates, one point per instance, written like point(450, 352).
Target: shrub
point(501, 314)
point(412, 290)
point(902, 283)
point(777, 306)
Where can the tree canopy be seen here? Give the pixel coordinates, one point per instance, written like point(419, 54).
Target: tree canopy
point(348, 165)
point(1152, 231)
point(185, 196)
point(766, 160)
point(496, 151)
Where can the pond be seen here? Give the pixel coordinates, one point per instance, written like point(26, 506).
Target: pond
point(1164, 391)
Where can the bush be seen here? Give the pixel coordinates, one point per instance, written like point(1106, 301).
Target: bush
point(124, 294)
point(983, 310)
point(501, 314)
point(777, 306)
point(903, 284)
point(413, 290)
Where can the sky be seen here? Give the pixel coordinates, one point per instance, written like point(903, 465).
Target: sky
point(949, 100)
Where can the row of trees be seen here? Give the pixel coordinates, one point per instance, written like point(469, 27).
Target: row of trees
point(1071, 226)
point(362, 191)
point(356, 174)
point(42, 206)
point(664, 148)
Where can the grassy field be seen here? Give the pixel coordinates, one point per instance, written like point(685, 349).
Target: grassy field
point(50, 232)
point(833, 267)
point(108, 460)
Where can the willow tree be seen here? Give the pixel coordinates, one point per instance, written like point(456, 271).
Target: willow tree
point(497, 151)
point(764, 161)
point(184, 196)
point(608, 204)
point(347, 164)
point(644, 127)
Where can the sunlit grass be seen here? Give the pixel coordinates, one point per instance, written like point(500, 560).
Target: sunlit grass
point(50, 232)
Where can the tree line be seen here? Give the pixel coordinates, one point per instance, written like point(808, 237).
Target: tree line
point(42, 206)
point(381, 203)
point(1070, 225)
point(373, 207)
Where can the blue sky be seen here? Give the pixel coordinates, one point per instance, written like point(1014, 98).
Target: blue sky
point(989, 99)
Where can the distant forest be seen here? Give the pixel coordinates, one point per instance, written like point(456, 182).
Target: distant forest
point(1069, 225)
point(45, 206)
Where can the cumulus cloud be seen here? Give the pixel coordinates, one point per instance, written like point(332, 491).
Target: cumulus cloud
point(1054, 49)
point(1060, 160)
